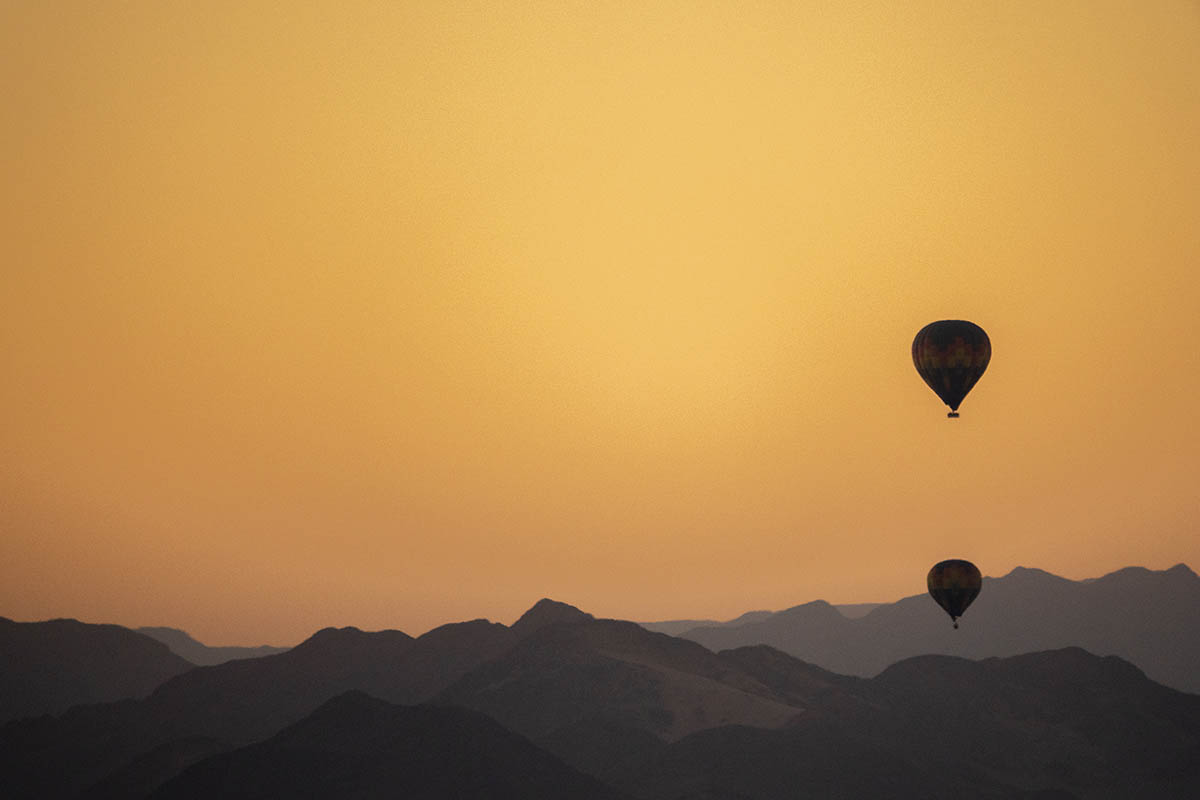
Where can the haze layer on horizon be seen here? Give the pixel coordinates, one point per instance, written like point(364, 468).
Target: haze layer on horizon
point(397, 314)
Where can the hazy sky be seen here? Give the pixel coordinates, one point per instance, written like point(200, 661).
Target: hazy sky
point(395, 314)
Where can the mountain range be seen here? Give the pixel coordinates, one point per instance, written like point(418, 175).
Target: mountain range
point(1148, 617)
point(563, 704)
point(47, 667)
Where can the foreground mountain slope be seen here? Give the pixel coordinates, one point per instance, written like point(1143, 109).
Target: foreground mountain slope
point(47, 667)
point(356, 746)
point(1061, 723)
point(1092, 724)
point(148, 771)
point(1150, 618)
point(812, 760)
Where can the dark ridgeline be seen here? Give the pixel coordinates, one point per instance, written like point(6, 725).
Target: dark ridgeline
point(646, 714)
point(1151, 618)
point(47, 667)
point(202, 655)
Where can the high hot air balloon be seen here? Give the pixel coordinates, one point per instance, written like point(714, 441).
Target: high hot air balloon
point(951, 356)
point(954, 584)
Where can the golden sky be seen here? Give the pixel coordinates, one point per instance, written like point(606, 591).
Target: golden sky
point(394, 314)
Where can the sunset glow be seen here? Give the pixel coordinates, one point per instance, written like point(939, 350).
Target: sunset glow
point(397, 314)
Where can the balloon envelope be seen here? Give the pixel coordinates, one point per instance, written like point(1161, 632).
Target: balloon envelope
point(950, 356)
point(954, 584)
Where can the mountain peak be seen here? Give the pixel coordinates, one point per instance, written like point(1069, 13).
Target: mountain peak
point(813, 609)
point(337, 642)
point(1181, 569)
point(332, 634)
point(548, 612)
point(1022, 574)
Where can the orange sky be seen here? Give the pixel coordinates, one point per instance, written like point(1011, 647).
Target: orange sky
point(390, 315)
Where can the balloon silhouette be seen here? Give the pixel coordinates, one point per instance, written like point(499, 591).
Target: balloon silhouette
point(951, 356)
point(954, 584)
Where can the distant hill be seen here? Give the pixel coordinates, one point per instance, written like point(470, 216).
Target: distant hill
point(674, 627)
point(1150, 618)
point(47, 667)
point(856, 610)
point(355, 746)
point(183, 645)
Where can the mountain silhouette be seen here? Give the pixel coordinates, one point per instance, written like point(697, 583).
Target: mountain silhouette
point(356, 746)
point(547, 612)
point(647, 714)
point(1151, 618)
point(610, 669)
point(239, 702)
point(1059, 723)
point(246, 700)
point(47, 667)
point(185, 646)
point(602, 694)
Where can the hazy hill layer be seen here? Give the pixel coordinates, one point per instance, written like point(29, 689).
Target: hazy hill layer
point(47, 667)
point(1150, 618)
point(185, 646)
point(674, 627)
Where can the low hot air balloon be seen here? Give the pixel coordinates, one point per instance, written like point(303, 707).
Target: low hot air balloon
point(954, 584)
point(951, 356)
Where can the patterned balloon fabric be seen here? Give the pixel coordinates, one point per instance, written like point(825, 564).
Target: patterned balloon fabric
point(954, 584)
point(951, 356)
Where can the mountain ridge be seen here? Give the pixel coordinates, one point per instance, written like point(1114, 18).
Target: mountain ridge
point(1027, 609)
point(47, 667)
point(648, 715)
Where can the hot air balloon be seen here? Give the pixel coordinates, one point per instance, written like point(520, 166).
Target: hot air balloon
point(954, 584)
point(951, 356)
